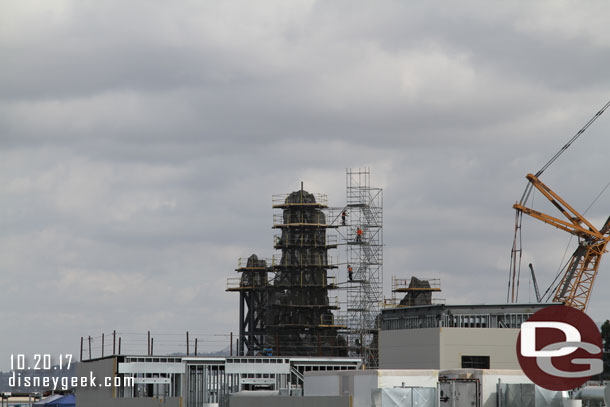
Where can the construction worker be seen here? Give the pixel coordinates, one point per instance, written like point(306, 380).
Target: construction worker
point(358, 235)
point(343, 216)
point(350, 272)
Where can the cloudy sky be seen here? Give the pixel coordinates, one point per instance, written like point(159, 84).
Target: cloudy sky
point(141, 141)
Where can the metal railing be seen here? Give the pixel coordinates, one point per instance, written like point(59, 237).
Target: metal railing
point(170, 344)
point(299, 218)
point(242, 262)
point(333, 216)
point(404, 284)
point(329, 283)
point(390, 302)
point(333, 320)
point(304, 260)
point(395, 302)
point(341, 320)
point(304, 240)
point(280, 199)
point(234, 283)
point(334, 301)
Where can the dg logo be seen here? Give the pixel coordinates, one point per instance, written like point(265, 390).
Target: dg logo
point(560, 348)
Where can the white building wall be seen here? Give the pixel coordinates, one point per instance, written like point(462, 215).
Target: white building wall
point(360, 383)
point(326, 385)
point(410, 378)
point(363, 385)
point(488, 380)
point(101, 396)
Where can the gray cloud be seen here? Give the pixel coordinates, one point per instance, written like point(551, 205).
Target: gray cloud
point(140, 144)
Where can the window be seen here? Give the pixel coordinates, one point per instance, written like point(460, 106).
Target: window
point(475, 362)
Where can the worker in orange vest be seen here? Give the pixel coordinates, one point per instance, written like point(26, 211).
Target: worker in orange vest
point(359, 235)
point(350, 272)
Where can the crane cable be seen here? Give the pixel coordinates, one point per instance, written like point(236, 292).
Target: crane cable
point(573, 139)
point(515, 263)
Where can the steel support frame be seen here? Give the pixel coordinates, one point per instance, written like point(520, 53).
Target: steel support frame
point(251, 321)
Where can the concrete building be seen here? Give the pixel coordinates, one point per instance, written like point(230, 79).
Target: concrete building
point(452, 336)
point(152, 381)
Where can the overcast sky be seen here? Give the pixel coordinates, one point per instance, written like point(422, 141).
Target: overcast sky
point(141, 141)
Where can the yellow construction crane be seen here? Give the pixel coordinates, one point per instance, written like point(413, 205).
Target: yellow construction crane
point(577, 281)
point(575, 287)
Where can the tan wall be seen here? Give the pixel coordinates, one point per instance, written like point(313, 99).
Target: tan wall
point(443, 348)
point(497, 343)
point(410, 349)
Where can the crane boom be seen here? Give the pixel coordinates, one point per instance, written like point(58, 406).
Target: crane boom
point(538, 299)
point(575, 287)
point(576, 220)
point(574, 226)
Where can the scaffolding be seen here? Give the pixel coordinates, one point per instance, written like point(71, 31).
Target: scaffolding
point(287, 295)
point(253, 294)
point(362, 231)
point(299, 312)
point(416, 292)
point(406, 285)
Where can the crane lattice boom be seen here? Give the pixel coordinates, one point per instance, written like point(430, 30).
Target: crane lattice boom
point(577, 282)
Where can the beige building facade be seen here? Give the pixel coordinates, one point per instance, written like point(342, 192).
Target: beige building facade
point(452, 337)
point(444, 348)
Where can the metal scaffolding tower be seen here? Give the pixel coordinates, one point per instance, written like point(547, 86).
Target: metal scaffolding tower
point(363, 234)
